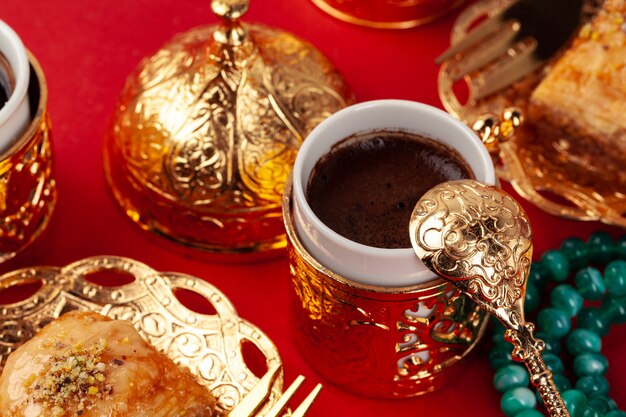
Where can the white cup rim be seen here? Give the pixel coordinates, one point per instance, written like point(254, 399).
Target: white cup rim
point(19, 65)
point(350, 245)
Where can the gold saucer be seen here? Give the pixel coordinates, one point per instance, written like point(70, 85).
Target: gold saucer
point(537, 168)
point(407, 14)
point(210, 346)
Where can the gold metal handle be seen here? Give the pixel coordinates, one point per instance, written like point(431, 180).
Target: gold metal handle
point(528, 349)
point(541, 378)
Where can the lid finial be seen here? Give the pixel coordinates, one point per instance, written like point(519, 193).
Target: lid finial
point(231, 32)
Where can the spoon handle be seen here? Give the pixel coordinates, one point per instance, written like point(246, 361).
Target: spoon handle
point(541, 378)
point(528, 349)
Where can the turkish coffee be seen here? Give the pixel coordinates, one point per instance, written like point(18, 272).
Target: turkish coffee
point(4, 96)
point(5, 80)
point(366, 186)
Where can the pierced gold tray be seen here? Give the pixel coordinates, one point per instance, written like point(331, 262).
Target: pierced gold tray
point(538, 168)
point(209, 345)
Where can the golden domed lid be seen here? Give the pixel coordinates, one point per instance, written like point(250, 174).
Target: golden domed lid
point(207, 130)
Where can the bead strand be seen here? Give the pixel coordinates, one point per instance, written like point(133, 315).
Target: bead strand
point(588, 397)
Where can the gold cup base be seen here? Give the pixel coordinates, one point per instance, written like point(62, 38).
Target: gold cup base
point(27, 187)
point(377, 341)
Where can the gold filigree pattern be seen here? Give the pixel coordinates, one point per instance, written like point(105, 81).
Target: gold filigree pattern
point(476, 235)
point(392, 342)
point(206, 133)
point(208, 345)
point(27, 184)
point(479, 239)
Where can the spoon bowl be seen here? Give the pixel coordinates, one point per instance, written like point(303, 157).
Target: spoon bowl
point(479, 238)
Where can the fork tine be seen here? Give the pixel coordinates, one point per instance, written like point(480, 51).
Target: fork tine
point(308, 401)
point(501, 41)
point(255, 398)
point(505, 73)
point(472, 38)
point(282, 401)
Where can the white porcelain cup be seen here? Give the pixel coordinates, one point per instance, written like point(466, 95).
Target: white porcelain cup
point(354, 261)
point(15, 115)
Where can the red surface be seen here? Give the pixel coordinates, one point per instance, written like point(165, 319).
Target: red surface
point(87, 48)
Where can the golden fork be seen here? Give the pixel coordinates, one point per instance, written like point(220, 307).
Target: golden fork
point(252, 402)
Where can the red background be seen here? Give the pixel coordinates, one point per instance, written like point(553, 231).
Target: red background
point(87, 48)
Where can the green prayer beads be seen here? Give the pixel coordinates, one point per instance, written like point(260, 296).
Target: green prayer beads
point(516, 400)
point(590, 284)
point(614, 308)
point(589, 398)
point(572, 399)
point(620, 248)
point(531, 299)
point(590, 363)
point(593, 384)
point(566, 298)
point(556, 264)
point(615, 278)
point(509, 377)
point(500, 356)
point(554, 321)
point(594, 319)
point(583, 340)
point(576, 252)
point(600, 247)
point(553, 344)
point(553, 363)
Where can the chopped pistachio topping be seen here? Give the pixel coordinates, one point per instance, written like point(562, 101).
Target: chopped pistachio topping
point(75, 375)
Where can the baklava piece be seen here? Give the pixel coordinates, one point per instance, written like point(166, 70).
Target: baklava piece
point(584, 94)
point(85, 364)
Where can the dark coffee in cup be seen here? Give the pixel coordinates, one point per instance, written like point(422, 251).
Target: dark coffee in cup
point(5, 80)
point(366, 187)
point(4, 96)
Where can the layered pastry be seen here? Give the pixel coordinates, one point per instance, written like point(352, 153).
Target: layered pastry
point(584, 93)
point(85, 364)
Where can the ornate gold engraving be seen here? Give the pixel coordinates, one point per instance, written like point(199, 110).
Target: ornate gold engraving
point(27, 185)
point(478, 238)
point(207, 130)
point(390, 342)
point(208, 345)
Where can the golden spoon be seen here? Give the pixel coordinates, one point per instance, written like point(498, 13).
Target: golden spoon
point(478, 238)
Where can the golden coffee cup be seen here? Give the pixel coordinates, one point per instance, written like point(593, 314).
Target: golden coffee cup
point(371, 320)
point(27, 186)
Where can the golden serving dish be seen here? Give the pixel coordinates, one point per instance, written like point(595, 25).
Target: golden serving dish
point(27, 186)
point(208, 345)
point(538, 168)
point(387, 14)
point(206, 131)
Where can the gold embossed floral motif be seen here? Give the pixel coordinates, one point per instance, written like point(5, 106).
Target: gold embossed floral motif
point(207, 129)
point(470, 231)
